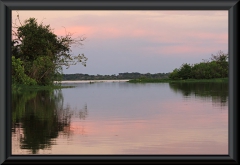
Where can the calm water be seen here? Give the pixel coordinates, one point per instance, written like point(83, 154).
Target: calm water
point(122, 118)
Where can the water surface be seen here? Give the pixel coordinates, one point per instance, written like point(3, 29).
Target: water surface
point(122, 118)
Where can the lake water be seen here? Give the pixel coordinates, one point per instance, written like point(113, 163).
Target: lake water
point(122, 118)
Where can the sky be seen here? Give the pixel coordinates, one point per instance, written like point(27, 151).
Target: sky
point(144, 41)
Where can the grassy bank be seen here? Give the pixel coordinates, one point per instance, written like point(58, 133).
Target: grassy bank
point(19, 87)
point(182, 81)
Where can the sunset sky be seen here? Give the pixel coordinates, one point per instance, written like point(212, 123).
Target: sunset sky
point(138, 41)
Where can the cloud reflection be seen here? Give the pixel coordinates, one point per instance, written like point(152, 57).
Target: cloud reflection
point(124, 119)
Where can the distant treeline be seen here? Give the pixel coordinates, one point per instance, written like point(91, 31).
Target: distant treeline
point(133, 75)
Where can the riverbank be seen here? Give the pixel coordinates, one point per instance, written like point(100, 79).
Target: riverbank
point(89, 81)
point(58, 85)
point(20, 88)
point(182, 81)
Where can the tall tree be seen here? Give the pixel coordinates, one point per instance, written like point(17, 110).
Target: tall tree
point(42, 53)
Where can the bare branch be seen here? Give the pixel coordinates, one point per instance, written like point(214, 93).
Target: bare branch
point(42, 20)
point(19, 19)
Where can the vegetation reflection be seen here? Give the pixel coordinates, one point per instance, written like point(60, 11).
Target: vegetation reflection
point(217, 91)
point(41, 115)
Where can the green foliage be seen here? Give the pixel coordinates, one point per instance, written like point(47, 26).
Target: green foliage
point(185, 71)
point(39, 54)
point(175, 74)
point(216, 68)
point(19, 73)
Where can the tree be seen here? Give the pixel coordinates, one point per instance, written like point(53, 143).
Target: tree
point(41, 52)
point(175, 74)
point(221, 60)
point(220, 57)
point(216, 67)
point(185, 71)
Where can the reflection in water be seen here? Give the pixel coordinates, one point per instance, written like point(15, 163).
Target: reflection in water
point(153, 118)
point(38, 117)
point(217, 91)
point(83, 113)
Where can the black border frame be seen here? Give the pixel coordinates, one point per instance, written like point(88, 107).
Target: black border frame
point(5, 81)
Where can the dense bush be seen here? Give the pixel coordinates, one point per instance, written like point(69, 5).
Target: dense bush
point(216, 67)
